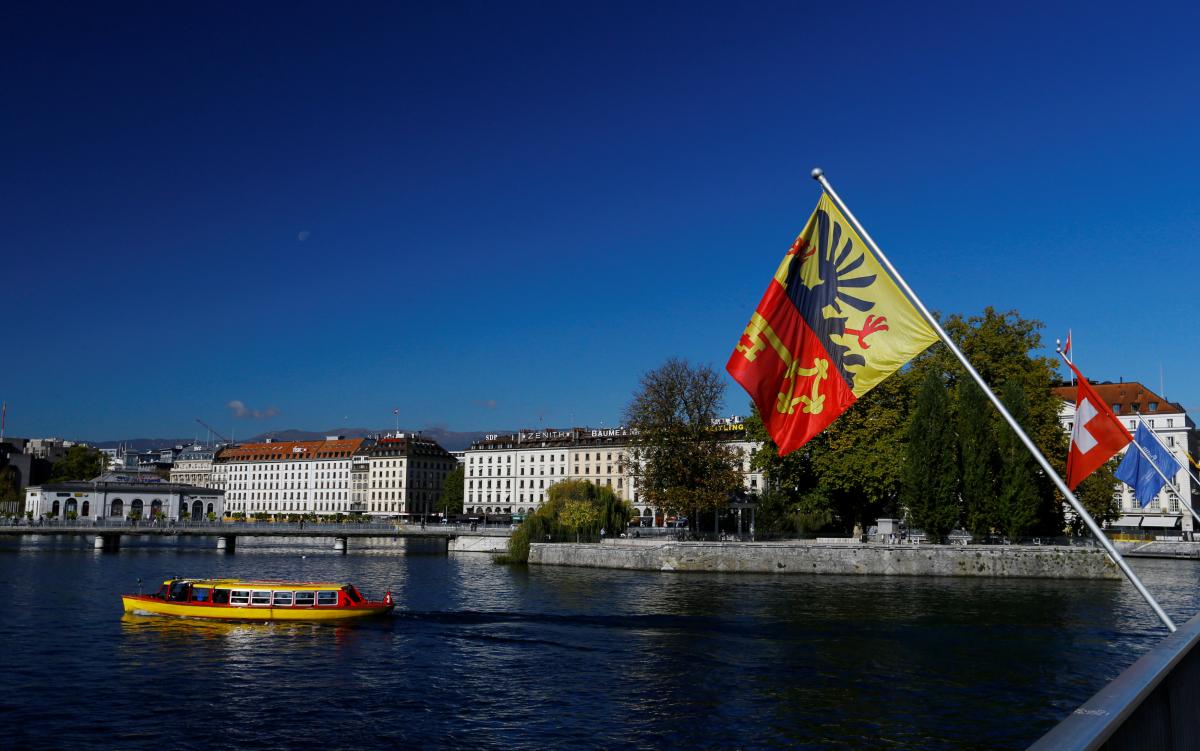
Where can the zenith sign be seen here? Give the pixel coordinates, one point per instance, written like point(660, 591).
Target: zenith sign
point(1083, 437)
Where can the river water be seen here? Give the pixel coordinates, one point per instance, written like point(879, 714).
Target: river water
point(497, 657)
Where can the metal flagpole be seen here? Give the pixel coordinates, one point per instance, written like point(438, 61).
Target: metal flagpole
point(1170, 483)
point(819, 175)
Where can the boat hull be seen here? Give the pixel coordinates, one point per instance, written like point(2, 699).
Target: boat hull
point(155, 606)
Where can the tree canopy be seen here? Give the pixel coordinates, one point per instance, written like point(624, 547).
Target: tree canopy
point(574, 509)
point(863, 465)
point(79, 463)
point(678, 461)
point(451, 499)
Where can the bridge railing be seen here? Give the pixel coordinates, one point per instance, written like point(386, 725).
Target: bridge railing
point(249, 527)
point(1152, 705)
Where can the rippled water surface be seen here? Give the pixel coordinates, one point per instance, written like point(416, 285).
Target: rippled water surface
point(495, 657)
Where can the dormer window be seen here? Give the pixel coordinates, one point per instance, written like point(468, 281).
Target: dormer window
point(1135, 406)
point(1152, 406)
point(1116, 409)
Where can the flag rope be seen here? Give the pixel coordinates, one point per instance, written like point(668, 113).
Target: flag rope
point(819, 175)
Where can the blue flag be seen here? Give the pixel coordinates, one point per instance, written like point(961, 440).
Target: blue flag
point(1138, 473)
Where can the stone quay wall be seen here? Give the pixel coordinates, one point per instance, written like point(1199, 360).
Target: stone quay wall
point(1033, 561)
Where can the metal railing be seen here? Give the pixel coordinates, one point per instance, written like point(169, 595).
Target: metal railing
point(1152, 705)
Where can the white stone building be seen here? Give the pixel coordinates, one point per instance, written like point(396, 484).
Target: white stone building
point(1165, 514)
point(405, 475)
point(193, 466)
point(511, 474)
point(117, 495)
point(288, 477)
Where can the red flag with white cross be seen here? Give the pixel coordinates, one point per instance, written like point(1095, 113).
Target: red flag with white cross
point(1096, 435)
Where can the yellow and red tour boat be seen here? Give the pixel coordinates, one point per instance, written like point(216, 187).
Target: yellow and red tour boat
point(256, 600)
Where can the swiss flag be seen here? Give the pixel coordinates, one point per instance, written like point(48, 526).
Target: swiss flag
point(1096, 435)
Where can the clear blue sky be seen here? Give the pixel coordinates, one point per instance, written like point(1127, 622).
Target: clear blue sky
point(491, 214)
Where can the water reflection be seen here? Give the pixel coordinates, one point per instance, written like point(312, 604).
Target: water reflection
point(506, 658)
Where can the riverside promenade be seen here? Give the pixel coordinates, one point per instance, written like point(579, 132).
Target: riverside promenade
point(841, 558)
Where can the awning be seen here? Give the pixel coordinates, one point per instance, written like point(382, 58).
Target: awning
point(1127, 521)
point(1165, 522)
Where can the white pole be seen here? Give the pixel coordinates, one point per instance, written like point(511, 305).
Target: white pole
point(819, 175)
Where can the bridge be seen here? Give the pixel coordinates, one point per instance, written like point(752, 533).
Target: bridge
point(108, 533)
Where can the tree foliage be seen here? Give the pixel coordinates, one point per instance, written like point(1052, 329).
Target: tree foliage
point(1097, 496)
point(79, 463)
point(1018, 501)
point(678, 460)
point(10, 490)
point(573, 508)
point(931, 474)
point(853, 472)
point(451, 499)
point(979, 461)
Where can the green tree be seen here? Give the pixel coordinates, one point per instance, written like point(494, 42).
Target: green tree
point(848, 475)
point(1019, 496)
point(678, 460)
point(79, 463)
point(579, 515)
point(978, 460)
point(571, 507)
point(451, 499)
point(930, 485)
point(1098, 497)
point(10, 491)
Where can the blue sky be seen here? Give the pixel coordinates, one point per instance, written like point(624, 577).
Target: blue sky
point(499, 215)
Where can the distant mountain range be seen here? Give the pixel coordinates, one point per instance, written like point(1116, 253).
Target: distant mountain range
point(450, 440)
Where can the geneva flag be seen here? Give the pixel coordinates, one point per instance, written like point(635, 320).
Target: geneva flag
point(1096, 435)
point(831, 326)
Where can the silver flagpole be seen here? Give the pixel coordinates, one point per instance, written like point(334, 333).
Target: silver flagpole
point(1170, 483)
point(819, 175)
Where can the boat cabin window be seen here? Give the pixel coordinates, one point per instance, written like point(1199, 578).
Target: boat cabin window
point(283, 599)
point(220, 597)
point(200, 595)
point(260, 598)
point(327, 598)
point(353, 594)
point(179, 591)
point(239, 597)
point(305, 599)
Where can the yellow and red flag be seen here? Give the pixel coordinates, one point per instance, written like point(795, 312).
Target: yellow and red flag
point(831, 326)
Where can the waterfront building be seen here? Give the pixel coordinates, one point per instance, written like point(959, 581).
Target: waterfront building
point(405, 475)
point(287, 477)
point(193, 466)
point(360, 479)
point(120, 495)
point(511, 474)
point(1171, 423)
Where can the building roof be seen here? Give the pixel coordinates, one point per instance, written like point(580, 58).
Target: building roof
point(549, 438)
point(1125, 398)
point(290, 450)
point(407, 445)
point(124, 487)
